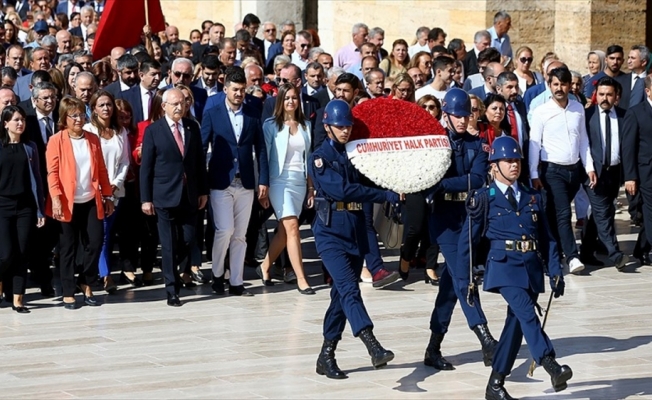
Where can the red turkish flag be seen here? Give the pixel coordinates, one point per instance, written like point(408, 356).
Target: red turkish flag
point(122, 24)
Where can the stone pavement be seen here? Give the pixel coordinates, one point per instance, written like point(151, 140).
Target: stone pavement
point(135, 346)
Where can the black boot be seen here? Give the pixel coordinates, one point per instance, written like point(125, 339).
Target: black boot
point(487, 342)
point(326, 364)
point(433, 357)
point(559, 374)
point(379, 356)
point(496, 388)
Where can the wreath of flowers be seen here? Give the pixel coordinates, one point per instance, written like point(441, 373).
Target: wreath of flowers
point(407, 170)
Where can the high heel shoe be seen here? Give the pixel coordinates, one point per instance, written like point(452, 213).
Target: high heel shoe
point(109, 286)
point(266, 282)
point(428, 279)
point(404, 274)
point(307, 290)
point(136, 282)
point(20, 309)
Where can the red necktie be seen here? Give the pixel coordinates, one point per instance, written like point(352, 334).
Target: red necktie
point(512, 121)
point(177, 137)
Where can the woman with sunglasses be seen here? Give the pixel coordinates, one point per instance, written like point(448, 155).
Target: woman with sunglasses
point(431, 104)
point(403, 88)
point(526, 77)
point(477, 110)
point(423, 61)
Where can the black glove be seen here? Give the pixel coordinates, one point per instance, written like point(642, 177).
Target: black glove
point(392, 198)
point(558, 288)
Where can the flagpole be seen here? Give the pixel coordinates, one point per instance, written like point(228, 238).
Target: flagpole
point(146, 12)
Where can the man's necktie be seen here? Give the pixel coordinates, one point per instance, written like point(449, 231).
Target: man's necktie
point(48, 130)
point(177, 137)
point(607, 140)
point(511, 115)
point(511, 198)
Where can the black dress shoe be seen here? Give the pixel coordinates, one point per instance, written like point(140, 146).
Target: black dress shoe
point(148, 279)
point(198, 276)
point(266, 282)
point(20, 310)
point(591, 260)
point(239, 291)
point(91, 301)
point(307, 290)
point(136, 282)
point(621, 262)
point(218, 285)
point(173, 300)
point(643, 258)
point(47, 291)
point(69, 306)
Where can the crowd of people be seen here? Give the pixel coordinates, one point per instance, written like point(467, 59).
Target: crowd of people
point(194, 144)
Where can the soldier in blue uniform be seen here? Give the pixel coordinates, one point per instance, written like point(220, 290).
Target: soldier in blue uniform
point(468, 171)
point(341, 238)
point(512, 219)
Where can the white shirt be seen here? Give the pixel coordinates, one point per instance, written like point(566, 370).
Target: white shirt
point(116, 157)
point(295, 151)
point(73, 8)
point(123, 86)
point(298, 61)
point(310, 90)
point(428, 89)
point(41, 125)
point(145, 97)
point(84, 191)
point(558, 135)
point(503, 189)
point(412, 50)
point(476, 80)
point(84, 28)
point(180, 126)
point(210, 91)
point(267, 45)
point(237, 120)
point(615, 140)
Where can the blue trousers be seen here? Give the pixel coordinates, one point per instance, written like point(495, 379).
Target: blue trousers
point(521, 321)
point(107, 245)
point(346, 299)
point(373, 258)
point(450, 289)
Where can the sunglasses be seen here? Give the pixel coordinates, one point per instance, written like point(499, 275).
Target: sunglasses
point(180, 74)
point(387, 90)
point(305, 46)
point(429, 107)
point(270, 30)
point(526, 59)
point(475, 109)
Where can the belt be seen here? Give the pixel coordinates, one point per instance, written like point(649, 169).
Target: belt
point(522, 246)
point(569, 167)
point(342, 206)
point(456, 196)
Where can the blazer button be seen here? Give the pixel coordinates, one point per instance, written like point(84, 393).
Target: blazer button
point(235, 160)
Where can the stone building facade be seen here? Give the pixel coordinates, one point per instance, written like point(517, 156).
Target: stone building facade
point(571, 28)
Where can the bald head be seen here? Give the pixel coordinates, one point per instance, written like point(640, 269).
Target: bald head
point(172, 32)
point(64, 40)
point(116, 53)
point(254, 74)
point(491, 73)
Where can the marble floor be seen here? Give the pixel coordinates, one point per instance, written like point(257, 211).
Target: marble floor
point(135, 346)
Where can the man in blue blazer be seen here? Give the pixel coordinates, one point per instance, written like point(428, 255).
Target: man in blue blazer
point(62, 7)
point(173, 184)
point(139, 96)
point(39, 60)
point(233, 130)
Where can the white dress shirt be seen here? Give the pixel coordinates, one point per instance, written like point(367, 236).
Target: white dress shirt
point(41, 124)
point(145, 97)
point(298, 61)
point(180, 126)
point(123, 86)
point(615, 140)
point(558, 135)
point(210, 91)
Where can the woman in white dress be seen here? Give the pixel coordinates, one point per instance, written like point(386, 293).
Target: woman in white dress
point(287, 138)
point(115, 149)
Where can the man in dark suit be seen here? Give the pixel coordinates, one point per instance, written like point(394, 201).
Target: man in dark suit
point(127, 66)
point(292, 74)
point(39, 60)
point(481, 41)
point(636, 156)
point(490, 75)
point(22, 7)
point(604, 123)
point(181, 73)
point(234, 132)
point(251, 23)
point(210, 69)
point(140, 96)
point(515, 121)
point(637, 61)
point(346, 88)
point(173, 184)
point(41, 122)
point(69, 6)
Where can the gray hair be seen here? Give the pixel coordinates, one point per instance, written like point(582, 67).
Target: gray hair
point(126, 61)
point(48, 40)
point(601, 57)
point(504, 77)
point(65, 58)
point(645, 52)
point(421, 30)
point(315, 52)
point(85, 74)
point(180, 60)
point(500, 16)
point(252, 65)
point(479, 35)
point(358, 26)
point(87, 8)
point(282, 59)
point(165, 94)
point(253, 89)
point(288, 22)
point(376, 31)
point(335, 72)
point(41, 86)
point(367, 76)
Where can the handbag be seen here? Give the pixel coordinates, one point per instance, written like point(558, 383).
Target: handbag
point(388, 225)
